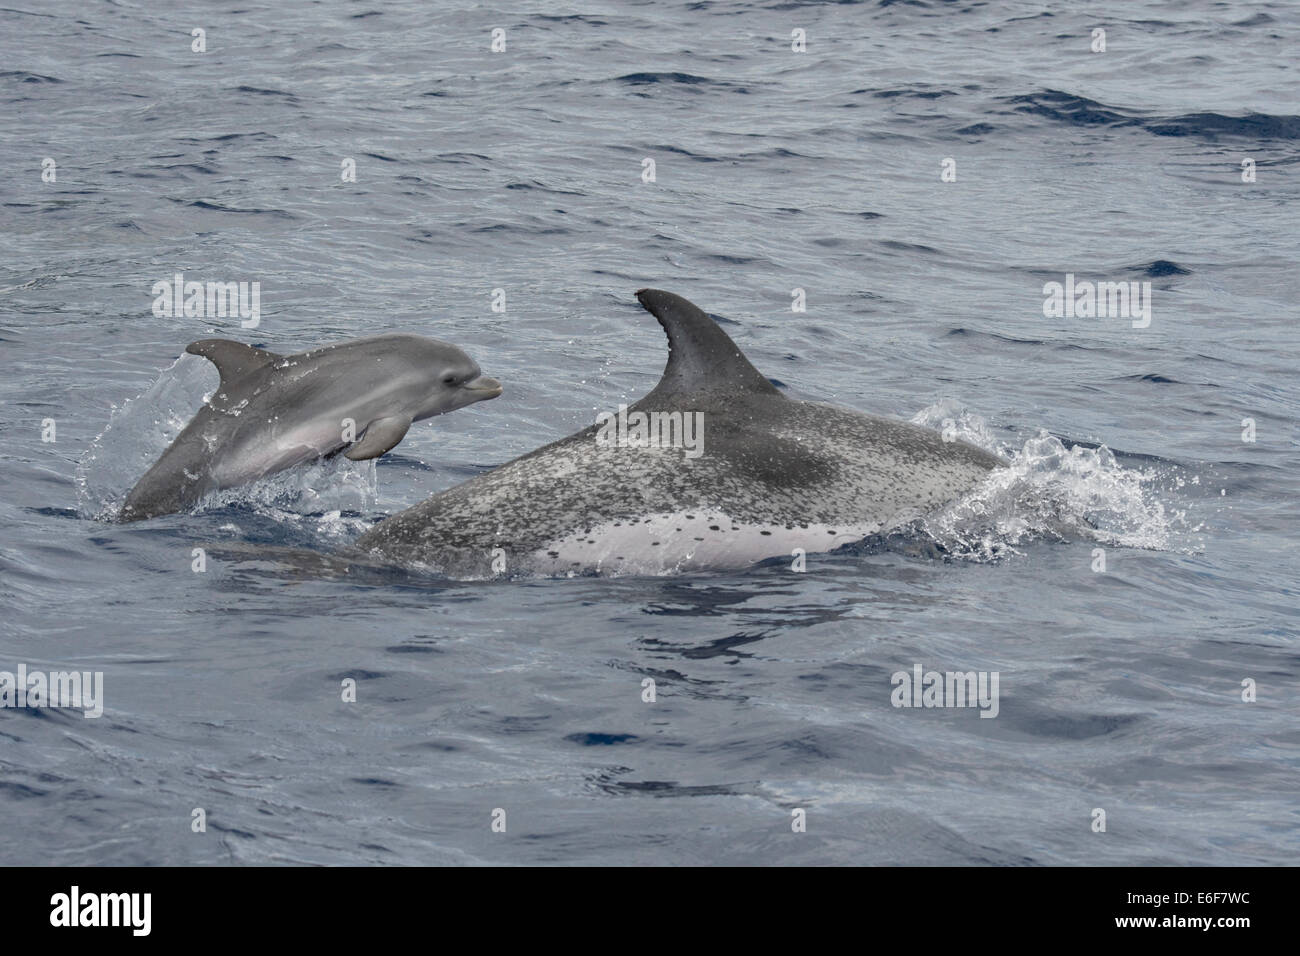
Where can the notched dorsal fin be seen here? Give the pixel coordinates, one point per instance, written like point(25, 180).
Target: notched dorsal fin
point(701, 357)
point(233, 359)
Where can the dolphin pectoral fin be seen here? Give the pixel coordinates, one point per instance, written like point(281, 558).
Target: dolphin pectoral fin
point(380, 435)
point(233, 359)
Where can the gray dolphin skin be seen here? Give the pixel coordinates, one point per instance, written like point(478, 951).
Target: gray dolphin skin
point(272, 412)
point(770, 474)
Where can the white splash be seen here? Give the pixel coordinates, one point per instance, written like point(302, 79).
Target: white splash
point(138, 432)
point(1050, 492)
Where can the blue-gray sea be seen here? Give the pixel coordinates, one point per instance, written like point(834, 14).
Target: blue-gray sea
point(1169, 158)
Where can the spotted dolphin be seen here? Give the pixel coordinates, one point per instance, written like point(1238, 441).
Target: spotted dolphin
point(755, 474)
point(272, 412)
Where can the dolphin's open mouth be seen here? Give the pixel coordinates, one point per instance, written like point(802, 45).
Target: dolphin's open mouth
point(490, 387)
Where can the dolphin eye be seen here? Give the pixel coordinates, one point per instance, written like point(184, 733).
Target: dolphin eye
point(449, 380)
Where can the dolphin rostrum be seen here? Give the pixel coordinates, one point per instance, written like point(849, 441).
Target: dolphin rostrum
point(715, 468)
point(272, 412)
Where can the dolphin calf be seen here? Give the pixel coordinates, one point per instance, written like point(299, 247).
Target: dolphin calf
point(272, 412)
point(714, 468)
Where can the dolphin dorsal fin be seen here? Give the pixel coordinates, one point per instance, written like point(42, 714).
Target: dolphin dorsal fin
point(701, 357)
point(233, 360)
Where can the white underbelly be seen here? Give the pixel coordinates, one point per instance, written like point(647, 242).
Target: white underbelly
point(662, 544)
point(275, 451)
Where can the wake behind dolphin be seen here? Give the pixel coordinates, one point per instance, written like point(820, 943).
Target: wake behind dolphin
point(272, 412)
point(763, 475)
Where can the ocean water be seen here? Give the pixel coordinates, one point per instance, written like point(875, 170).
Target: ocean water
point(1121, 690)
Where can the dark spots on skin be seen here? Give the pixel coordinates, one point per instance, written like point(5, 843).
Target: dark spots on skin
point(714, 527)
point(654, 544)
point(765, 532)
point(553, 554)
point(699, 539)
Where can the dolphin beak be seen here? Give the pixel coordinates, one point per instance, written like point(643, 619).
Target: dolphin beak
point(483, 387)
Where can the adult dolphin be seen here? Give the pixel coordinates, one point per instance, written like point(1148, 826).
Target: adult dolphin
point(771, 474)
point(272, 412)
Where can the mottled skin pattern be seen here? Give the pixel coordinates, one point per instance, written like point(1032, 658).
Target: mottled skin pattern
point(272, 412)
point(775, 474)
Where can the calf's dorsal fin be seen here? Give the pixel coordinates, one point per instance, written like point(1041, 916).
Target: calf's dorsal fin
point(233, 359)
